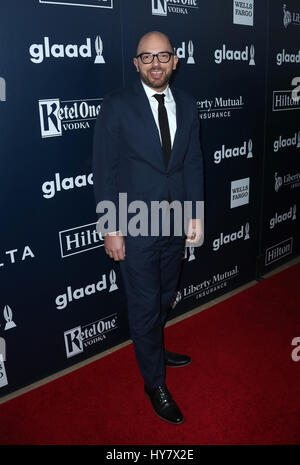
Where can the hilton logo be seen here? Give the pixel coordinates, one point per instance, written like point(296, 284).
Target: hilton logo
point(278, 251)
point(78, 240)
point(39, 52)
point(2, 90)
point(90, 3)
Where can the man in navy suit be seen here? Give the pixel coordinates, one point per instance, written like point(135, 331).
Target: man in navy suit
point(146, 144)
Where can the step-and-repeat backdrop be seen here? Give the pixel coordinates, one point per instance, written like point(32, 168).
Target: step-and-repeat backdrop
point(62, 298)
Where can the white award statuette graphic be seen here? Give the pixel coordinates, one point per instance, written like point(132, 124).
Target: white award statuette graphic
point(2, 90)
point(252, 53)
point(247, 228)
point(177, 299)
point(294, 212)
point(7, 313)
point(250, 146)
point(99, 50)
point(191, 60)
point(287, 17)
point(112, 279)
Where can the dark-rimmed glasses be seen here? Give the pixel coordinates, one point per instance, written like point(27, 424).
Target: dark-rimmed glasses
point(147, 58)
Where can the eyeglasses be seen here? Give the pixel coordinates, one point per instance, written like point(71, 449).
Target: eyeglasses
point(147, 58)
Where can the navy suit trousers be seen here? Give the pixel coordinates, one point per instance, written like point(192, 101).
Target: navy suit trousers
point(150, 274)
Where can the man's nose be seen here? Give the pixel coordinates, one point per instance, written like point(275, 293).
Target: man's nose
point(155, 61)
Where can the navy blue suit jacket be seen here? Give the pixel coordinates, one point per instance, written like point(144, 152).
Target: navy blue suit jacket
point(127, 152)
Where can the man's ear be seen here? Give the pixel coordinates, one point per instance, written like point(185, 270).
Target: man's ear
point(136, 64)
point(175, 61)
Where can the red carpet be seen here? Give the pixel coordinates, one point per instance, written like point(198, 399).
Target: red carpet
point(242, 388)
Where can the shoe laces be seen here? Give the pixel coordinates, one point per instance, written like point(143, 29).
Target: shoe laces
point(164, 394)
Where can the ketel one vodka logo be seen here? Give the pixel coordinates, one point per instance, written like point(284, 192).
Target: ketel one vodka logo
point(163, 7)
point(58, 116)
point(225, 54)
point(181, 52)
point(81, 337)
point(225, 153)
point(39, 52)
point(242, 233)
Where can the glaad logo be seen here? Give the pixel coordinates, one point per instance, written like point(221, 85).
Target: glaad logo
point(63, 300)
point(242, 233)
point(79, 239)
point(91, 3)
point(58, 116)
point(224, 54)
point(39, 52)
point(163, 7)
point(50, 188)
point(243, 12)
point(282, 143)
point(291, 180)
point(81, 337)
point(8, 316)
point(2, 90)
point(280, 218)
point(219, 107)
point(239, 192)
point(211, 285)
point(225, 153)
point(181, 52)
point(278, 251)
point(290, 18)
point(284, 57)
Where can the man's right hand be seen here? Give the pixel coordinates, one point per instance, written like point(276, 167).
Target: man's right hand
point(114, 245)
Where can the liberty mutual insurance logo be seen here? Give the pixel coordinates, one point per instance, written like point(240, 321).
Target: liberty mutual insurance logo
point(290, 18)
point(40, 52)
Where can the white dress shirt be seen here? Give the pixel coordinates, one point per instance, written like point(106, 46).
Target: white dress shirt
point(170, 107)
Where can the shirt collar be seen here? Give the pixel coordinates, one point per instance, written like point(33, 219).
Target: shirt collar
point(150, 92)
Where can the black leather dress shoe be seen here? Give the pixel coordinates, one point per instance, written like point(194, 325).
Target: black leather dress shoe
point(163, 404)
point(176, 360)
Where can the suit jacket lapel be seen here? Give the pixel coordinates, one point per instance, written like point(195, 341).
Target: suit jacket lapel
point(145, 112)
point(179, 125)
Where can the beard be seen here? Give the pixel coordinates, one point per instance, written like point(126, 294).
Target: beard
point(156, 83)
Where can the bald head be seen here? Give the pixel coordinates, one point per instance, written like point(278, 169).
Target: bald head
point(150, 39)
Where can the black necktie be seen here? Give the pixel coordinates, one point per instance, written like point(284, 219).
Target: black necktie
point(164, 127)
